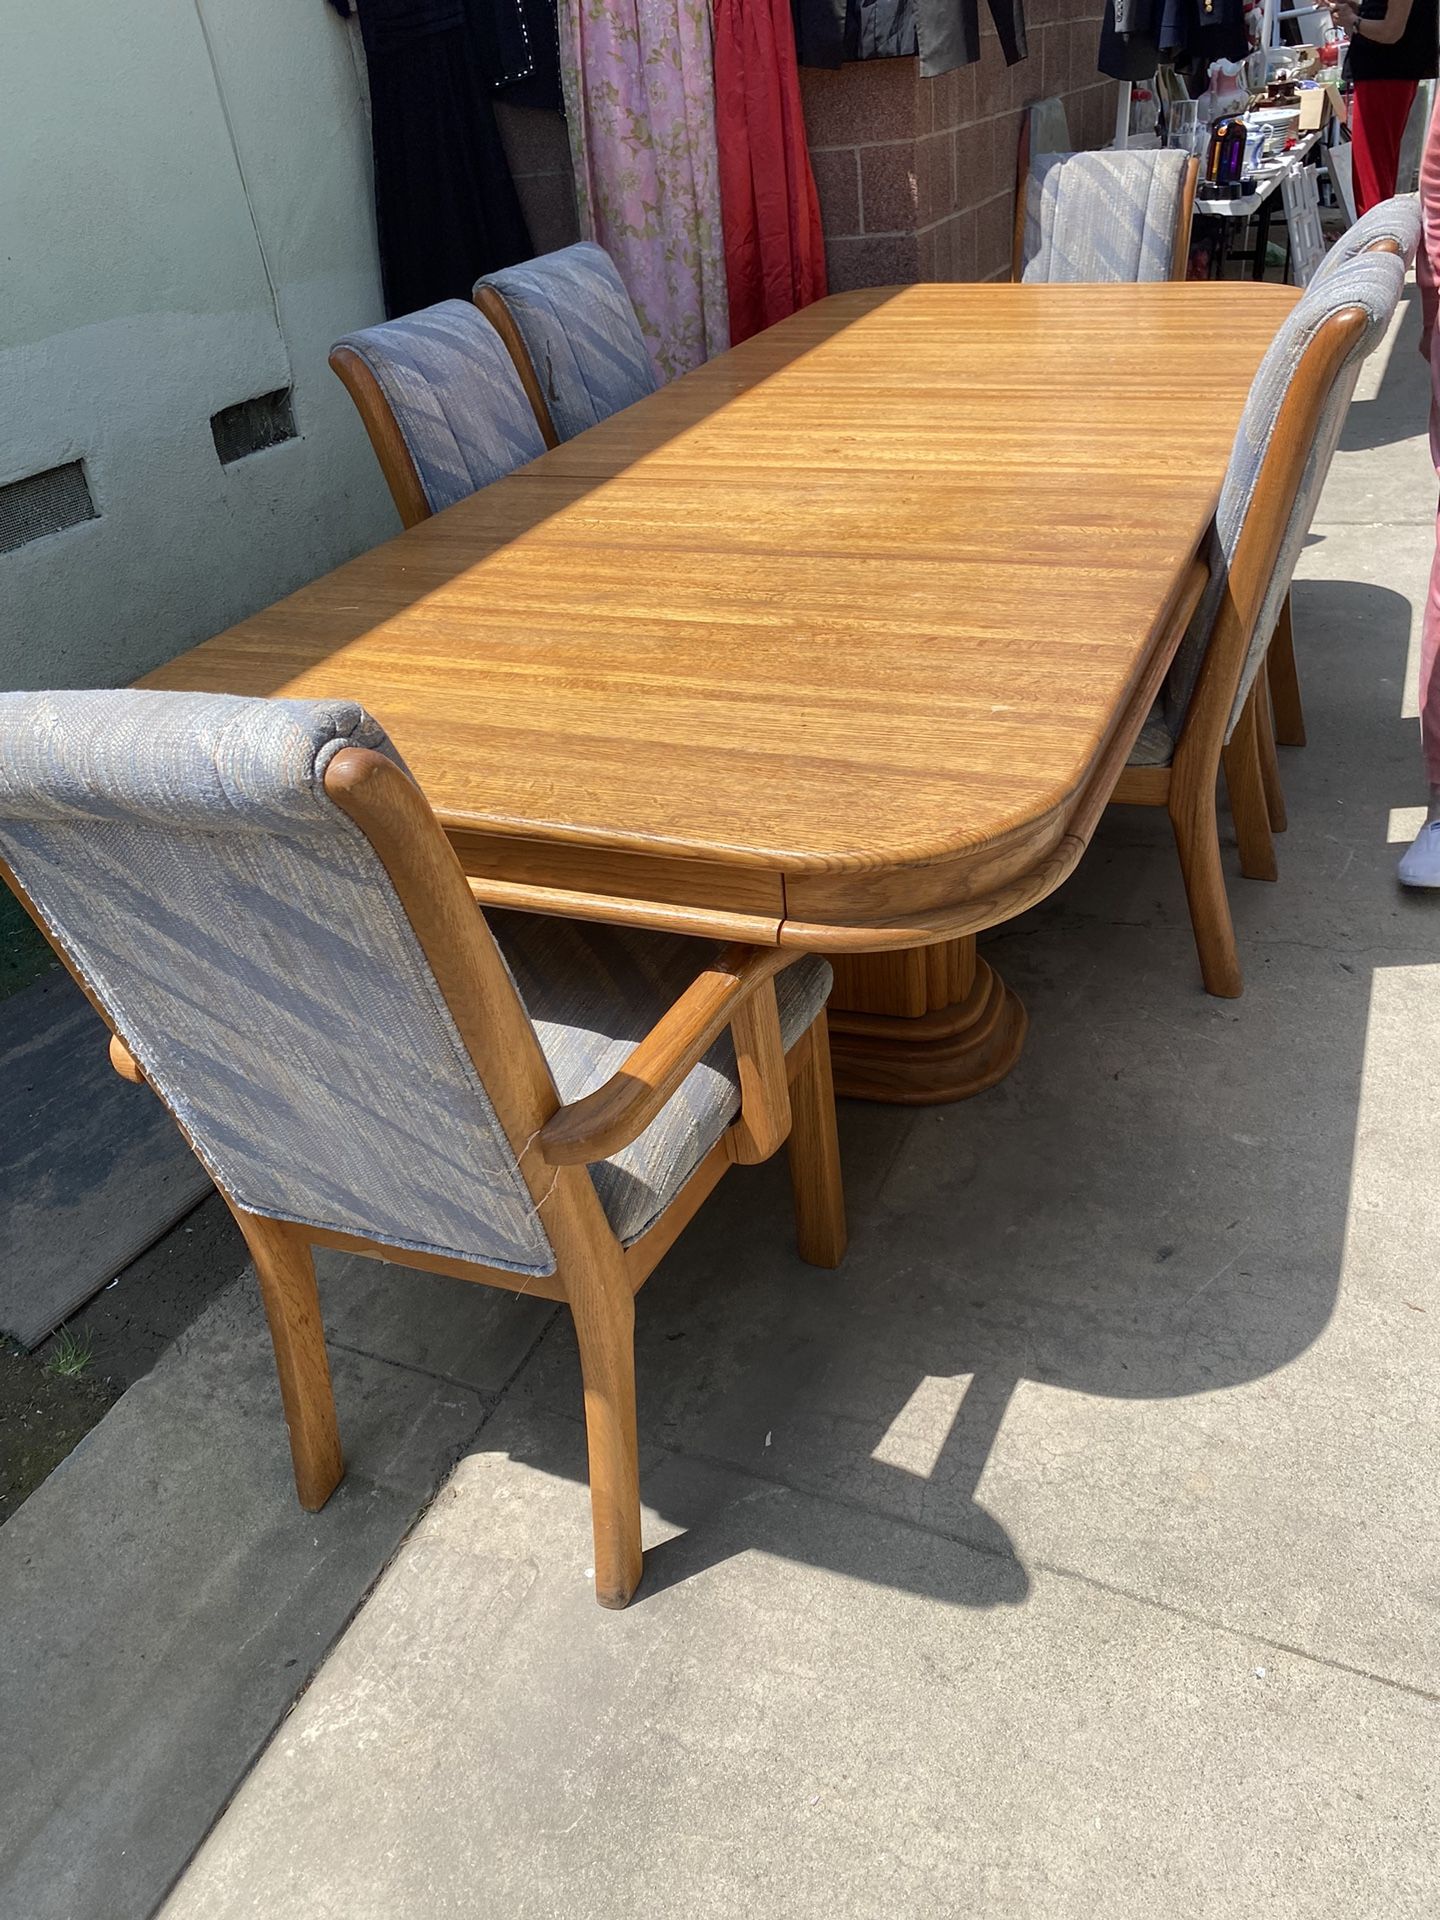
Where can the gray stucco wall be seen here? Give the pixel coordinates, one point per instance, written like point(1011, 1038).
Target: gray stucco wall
point(185, 223)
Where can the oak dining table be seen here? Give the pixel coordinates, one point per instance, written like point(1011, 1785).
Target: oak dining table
point(839, 643)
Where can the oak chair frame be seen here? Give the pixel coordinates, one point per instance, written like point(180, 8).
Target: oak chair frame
point(1187, 787)
point(786, 1099)
point(1179, 259)
point(492, 304)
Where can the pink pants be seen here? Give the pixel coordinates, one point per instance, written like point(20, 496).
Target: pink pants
point(1426, 268)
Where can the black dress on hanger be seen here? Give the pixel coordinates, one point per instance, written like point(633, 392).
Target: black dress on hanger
point(445, 205)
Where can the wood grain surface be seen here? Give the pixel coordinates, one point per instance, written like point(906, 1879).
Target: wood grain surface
point(868, 595)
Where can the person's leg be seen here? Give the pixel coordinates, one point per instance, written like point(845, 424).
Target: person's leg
point(1420, 864)
point(1378, 113)
point(1430, 681)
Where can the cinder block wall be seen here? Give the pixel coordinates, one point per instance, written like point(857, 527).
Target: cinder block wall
point(917, 177)
point(538, 149)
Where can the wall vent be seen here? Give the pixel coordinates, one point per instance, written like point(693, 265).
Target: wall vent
point(44, 503)
point(252, 426)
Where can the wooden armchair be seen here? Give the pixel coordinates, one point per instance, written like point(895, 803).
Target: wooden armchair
point(259, 902)
point(1392, 227)
point(1211, 709)
point(440, 399)
point(572, 332)
point(1102, 216)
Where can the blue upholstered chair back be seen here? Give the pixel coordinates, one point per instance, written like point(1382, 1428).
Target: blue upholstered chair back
point(455, 395)
point(244, 938)
point(1372, 282)
point(1103, 216)
point(1396, 219)
point(580, 331)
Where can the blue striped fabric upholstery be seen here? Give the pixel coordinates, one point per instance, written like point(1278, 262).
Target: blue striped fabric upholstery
point(248, 944)
point(592, 992)
point(1372, 282)
point(581, 333)
point(1102, 216)
point(455, 395)
point(1397, 219)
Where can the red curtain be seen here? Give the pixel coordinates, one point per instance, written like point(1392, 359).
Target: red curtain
point(774, 248)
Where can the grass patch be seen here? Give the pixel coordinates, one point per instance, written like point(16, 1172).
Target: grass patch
point(43, 1417)
point(71, 1355)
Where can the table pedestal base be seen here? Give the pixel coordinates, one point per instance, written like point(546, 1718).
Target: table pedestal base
point(923, 1026)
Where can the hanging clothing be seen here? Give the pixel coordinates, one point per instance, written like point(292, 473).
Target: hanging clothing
point(519, 46)
point(1137, 35)
point(445, 206)
point(639, 83)
point(774, 243)
point(944, 33)
point(825, 32)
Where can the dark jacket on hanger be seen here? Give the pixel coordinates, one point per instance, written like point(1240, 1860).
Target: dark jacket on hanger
point(945, 33)
point(445, 205)
point(1136, 35)
point(519, 45)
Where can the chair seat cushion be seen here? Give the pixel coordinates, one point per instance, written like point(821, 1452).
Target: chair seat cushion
point(1156, 745)
point(593, 992)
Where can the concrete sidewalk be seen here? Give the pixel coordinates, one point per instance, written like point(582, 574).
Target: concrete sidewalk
point(1073, 1551)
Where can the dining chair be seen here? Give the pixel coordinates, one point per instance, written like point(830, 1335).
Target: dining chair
point(439, 397)
point(1209, 710)
point(1391, 227)
point(1048, 126)
point(1102, 216)
point(572, 332)
point(257, 899)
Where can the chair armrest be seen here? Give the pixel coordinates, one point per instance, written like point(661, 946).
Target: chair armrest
point(600, 1123)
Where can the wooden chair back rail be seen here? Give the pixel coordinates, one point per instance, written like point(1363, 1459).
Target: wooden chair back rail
point(386, 438)
point(1022, 179)
point(1180, 262)
point(500, 317)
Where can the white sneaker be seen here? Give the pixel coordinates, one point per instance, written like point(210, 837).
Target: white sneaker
point(1420, 864)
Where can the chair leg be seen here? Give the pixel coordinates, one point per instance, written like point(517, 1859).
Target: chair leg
point(1269, 760)
point(1285, 682)
point(1197, 841)
point(1246, 786)
point(603, 1308)
point(286, 1270)
point(814, 1152)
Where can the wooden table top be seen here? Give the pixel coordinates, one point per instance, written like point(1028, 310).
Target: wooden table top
point(835, 628)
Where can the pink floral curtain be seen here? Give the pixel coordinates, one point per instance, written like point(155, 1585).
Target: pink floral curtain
point(639, 89)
